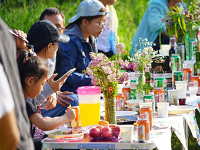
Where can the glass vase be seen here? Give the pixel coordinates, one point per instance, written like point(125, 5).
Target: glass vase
point(140, 81)
point(110, 109)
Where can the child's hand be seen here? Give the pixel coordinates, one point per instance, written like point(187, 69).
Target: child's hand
point(70, 114)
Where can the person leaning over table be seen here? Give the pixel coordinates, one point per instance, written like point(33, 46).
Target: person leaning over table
point(21, 136)
point(87, 24)
point(65, 98)
point(151, 25)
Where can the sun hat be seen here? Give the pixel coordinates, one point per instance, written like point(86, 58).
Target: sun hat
point(45, 32)
point(88, 8)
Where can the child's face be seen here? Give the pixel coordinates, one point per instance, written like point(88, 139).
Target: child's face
point(35, 88)
point(52, 50)
point(96, 26)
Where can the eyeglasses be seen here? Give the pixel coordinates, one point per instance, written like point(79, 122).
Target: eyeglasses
point(60, 28)
point(102, 24)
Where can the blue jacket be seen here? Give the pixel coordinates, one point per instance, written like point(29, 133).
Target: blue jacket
point(151, 25)
point(76, 55)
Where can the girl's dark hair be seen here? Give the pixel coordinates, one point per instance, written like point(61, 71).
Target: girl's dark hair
point(31, 66)
point(89, 18)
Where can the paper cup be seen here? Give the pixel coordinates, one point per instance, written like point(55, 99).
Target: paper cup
point(193, 91)
point(180, 82)
point(126, 133)
point(173, 96)
point(182, 88)
point(163, 109)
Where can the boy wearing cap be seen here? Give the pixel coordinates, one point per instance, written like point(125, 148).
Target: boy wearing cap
point(87, 24)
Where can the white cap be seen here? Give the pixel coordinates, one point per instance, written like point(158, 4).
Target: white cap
point(88, 8)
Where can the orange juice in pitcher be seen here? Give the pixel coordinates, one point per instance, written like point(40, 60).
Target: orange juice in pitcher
point(89, 105)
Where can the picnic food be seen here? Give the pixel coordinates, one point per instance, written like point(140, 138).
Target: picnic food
point(104, 123)
point(75, 131)
point(95, 132)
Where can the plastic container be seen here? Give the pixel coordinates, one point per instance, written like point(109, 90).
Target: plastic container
point(89, 105)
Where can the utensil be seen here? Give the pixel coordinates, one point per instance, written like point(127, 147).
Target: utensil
point(73, 122)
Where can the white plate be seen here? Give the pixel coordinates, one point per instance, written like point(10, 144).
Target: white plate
point(180, 109)
point(121, 113)
point(50, 135)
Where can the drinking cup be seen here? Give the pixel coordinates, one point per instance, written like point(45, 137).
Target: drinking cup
point(193, 91)
point(163, 109)
point(182, 88)
point(126, 133)
point(173, 96)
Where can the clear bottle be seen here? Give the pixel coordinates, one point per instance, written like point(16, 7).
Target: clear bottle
point(148, 88)
point(197, 65)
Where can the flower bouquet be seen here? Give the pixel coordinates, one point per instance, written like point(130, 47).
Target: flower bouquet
point(142, 58)
point(106, 74)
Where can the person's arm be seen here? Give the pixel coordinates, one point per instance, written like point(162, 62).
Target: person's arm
point(157, 12)
point(70, 58)
point(47, 124)
point(9, 132)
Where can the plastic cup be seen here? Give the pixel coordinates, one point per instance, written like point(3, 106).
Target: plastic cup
point(126, 133)
point(163, 109)
point(193, 91)
point(182, 90)
point(89, 105)
point(173, 96)
point(180, 82)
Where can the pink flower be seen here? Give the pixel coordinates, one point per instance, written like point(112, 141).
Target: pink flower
point(119, 48)
point(92, 55)
point(89, 72)
point(94, 81)
point(106, 69)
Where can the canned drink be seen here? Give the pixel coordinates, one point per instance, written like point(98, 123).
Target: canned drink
point(175, 62)
point(133, 93)
point(178, 76)
point(126, 90)
point(197, 79)
point(120, 102)
point(159, 95)
point(77, 114)
point(146, 113)
point(161, 82)
point(187, 73)
point(143, 129)
point(193, 48)
point(150, 99)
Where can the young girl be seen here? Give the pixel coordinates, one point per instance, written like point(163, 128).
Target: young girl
point(88, 23)
point(33, 75)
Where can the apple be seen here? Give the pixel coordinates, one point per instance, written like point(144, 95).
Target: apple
point(115, 130)
point(106, 132)
point(99, 127)
point(94, 133)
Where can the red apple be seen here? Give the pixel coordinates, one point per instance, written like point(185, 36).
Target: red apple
point(106, 132)
point(115, 130)
point(99, 127)
point(94, 133)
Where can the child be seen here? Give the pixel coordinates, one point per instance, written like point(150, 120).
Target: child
point(106, 41)
point(33, 75)
point(87, 24)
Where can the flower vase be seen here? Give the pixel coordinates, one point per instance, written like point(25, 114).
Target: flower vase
point(110, 109)
point(140, 81)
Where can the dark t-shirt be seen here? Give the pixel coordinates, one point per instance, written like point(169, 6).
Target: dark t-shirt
point(30, 108)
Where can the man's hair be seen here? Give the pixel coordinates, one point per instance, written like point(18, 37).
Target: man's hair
point(52, 11)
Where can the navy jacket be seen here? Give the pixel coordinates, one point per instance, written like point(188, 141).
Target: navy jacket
point(76, 55)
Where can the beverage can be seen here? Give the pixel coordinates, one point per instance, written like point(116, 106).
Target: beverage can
point(133, 93)
point(175, 62)
point(159, 94)
point(76, 108)
point(196, 78)
point(150, 99)
point(178, 76)
point(120, 102)
point(192, 48)
point(187, 73)
point(126, 90)
point(143, 129)
point(161, 82)
point(146, 113)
